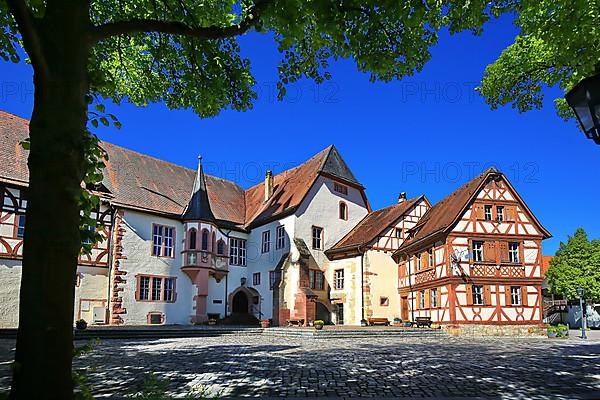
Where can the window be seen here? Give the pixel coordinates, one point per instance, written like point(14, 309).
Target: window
point(192, 239)
point(266, 241)
point(87, 241)
point(144, 289)
point(273, 277)
point(499, 213)
point(21, 226)
point(398, 232)
point(256, 279)
point(204, 240)
point(433, 296)
point(237, 252)
point(280, 243)
point(169, 290)
point(340, 188)
point(515, 295)
point(315, 279)
point(384, 301)
point(220, 247)
point(162, 241)
point(418, 261)
point(513, 252)
point(477, 251)
point(430, 258)
point(338, 281)
point(478, 295)
point(343, 214)
point(156, 288)
point(317, 238)
point(422, 299)
point(487, 212)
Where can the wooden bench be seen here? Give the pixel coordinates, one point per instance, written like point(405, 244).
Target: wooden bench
point(423, 321)
point(378, 321)
point(295, 322)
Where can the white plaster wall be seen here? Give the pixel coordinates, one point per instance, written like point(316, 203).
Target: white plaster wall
point(350, 295)
point(10, 279)
point(93, 289)
point(266, 262)
point(137, 248)
point(321, 208)
point(383, 278)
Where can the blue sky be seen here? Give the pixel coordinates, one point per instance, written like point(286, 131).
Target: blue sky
point(428, 133)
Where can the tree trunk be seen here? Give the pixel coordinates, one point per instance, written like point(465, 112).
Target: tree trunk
point(52, 241)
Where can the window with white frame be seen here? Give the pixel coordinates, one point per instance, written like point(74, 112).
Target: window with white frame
point(433, 296)
point(87, 241)
point(317, 238)
point(280, 242)
point(515, 295)
point(162, 240)
point(156, 288)
point(256, 279)
point(237, 252)
point(477, 294)
point(418, 261)
point(513, 252)
point(340, 188)
point(500, 213)
point(266, 242)
point(338, 279)
point(422, 299)
point(487, 212)
point(398, 232)
point(477, 251)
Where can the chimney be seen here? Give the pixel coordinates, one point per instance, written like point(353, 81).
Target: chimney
point(402, 197)
point(268, 185)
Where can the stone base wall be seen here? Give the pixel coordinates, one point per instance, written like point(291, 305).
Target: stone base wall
point(529, 330)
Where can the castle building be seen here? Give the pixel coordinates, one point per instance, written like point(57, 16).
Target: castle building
point(182, 247)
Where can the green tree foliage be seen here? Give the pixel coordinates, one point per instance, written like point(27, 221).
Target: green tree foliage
point(576, 264)
point(557, 46)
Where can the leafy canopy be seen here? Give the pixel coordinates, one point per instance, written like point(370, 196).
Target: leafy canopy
point(576, 264)
point(185, 53)
point(557, 46)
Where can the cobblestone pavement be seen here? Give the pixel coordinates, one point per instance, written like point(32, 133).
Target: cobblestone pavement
point(238, 366)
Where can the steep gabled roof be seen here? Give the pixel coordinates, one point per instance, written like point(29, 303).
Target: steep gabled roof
point(291, 187)
point(370, 227)
point(198, 207)
point(13, 158)
point(445, 214)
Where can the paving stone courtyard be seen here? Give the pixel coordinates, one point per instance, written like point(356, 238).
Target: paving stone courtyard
point(261, 366)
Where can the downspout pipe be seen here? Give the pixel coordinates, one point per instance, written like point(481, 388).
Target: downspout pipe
point(363, 321)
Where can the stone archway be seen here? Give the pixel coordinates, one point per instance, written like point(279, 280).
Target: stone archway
point(322, 312)
point(240, 303)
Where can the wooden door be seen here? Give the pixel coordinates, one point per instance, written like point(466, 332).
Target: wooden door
point(404, 308)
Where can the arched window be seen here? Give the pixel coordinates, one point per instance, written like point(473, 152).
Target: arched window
point(204, 239)
point(214, 242)
point(220, 247)
point(192, 239)
point(343, 211)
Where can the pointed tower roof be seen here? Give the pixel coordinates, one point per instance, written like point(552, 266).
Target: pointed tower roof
point(333, 164)
point(198, 207)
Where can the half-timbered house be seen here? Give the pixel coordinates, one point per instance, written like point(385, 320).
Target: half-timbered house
point(362, 273)
point(473, 262)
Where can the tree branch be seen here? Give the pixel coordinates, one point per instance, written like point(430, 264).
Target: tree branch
point(29, 33)
point(105, 31)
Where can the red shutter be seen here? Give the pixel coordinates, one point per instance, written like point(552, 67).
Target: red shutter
point(487, 295)
point(510, 213)
point(489, 251)
point(507, 296)
point(503, 251)
point(479, 211)
point(469, 295)
point(524, 295)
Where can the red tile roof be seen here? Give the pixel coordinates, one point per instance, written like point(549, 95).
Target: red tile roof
point(443, 215)
point(371, 226)
point(142, 182)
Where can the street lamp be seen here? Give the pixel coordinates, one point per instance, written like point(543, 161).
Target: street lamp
point(584, 99)
point(580, 293)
